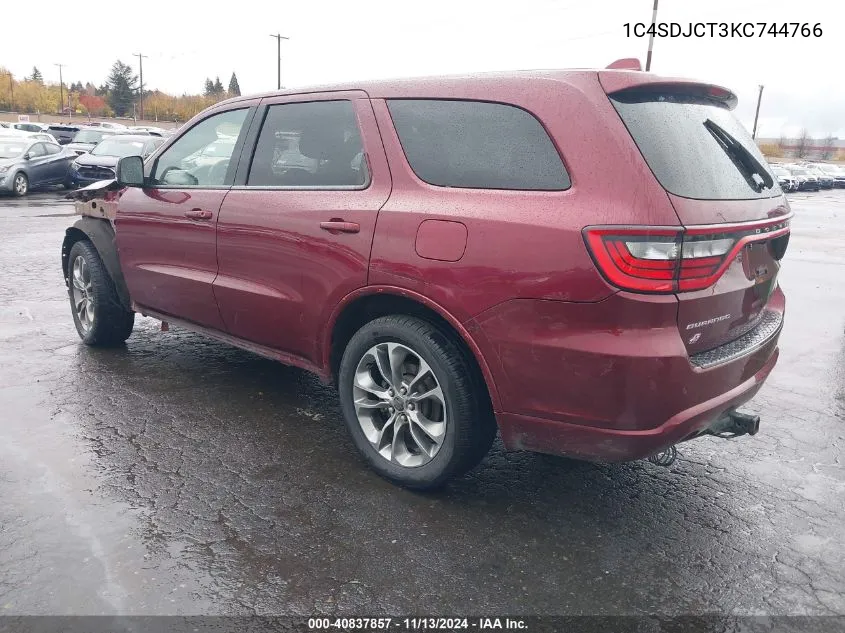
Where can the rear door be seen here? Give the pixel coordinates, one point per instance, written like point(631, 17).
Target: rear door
point(166, 231)
point(724, 193)
point(57, 162)
point(295, 232)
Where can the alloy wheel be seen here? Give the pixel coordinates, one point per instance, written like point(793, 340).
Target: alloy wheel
point(83, 294)
point(400, 404)
point(21, 184)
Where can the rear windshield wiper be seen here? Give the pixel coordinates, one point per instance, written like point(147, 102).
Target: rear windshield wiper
point(757, 176)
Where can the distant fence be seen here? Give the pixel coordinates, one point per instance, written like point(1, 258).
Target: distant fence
point(82, 120)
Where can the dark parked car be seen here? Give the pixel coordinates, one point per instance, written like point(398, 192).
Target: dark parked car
point(454, 257)
point(26, 164)
point(99, 163)
point(807, 180)
point(825, 179)
point(63, 133)
point(786, 180)
point(87, 138)
point(833, 174)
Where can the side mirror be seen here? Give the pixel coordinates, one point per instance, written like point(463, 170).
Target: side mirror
point(27, 156)
point(130, 171)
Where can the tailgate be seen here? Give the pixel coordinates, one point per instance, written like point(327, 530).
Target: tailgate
point(734, 214)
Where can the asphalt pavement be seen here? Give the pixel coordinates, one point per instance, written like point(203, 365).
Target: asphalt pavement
point(180, 476)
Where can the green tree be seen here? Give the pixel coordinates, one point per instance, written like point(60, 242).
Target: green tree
point(209, 87)
point(218, 87)
point(234, 88)
point(36, 75)
point(122, 85)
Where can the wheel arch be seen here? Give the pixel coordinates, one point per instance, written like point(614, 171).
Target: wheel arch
point(366, 304)
point(101, 234)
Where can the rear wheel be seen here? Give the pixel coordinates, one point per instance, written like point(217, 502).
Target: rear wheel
point(20, 186)
point(100, 318)
point(412, 402)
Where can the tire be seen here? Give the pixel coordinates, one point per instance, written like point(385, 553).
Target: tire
point(101, 320)
point(458, 417)
point(20, 186)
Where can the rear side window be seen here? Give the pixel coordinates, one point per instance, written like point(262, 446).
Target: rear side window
point(309, 144)
point(695, 147)
point(477, 144)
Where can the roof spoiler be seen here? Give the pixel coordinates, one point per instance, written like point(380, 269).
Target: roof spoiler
point(628, 63)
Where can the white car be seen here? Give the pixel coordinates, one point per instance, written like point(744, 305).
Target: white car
point(18, 133)
point(106, 124)
point(23, 126)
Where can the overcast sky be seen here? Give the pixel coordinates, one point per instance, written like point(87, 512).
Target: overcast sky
point(342, 40)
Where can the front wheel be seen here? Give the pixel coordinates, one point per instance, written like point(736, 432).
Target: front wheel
point(21, 184)
point(413, 403)
point(100, 318)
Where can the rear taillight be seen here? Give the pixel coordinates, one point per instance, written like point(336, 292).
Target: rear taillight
point(666, 260)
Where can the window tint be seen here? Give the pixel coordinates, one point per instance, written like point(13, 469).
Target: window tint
point(37, 150)
point(200, 157)
point(477, 144)
point(695, 147)
point(314, 144)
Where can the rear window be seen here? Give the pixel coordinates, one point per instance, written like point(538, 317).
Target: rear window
point(695, 147)
point(477, 144)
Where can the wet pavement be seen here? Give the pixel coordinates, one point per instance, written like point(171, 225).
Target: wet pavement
point(178, 475)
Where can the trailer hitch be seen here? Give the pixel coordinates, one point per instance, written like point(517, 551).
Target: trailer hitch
point(734, 424)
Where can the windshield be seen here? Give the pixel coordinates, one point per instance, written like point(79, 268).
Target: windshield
point(779, 171)
point(800, 172)
point(11, 150)
point(695, 147)
point(119, 147)
point(89, 136)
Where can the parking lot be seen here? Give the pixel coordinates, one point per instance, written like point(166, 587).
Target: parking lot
point(178, 475)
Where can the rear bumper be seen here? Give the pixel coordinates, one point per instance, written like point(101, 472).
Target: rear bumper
point(613, 380)
point(611, 445)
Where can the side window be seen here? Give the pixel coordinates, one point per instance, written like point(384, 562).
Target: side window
point(37, 150)
point(477, 144)
point(52, 148)
point(200, 157)
point(313, 144)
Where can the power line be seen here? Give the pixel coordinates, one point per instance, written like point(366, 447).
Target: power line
point(141, 89)
point(279, 37)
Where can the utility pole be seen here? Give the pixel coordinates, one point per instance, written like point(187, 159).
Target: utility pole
point(61, 90)
point(757, 113)
point(279, 37)
point(651, 37)
point(11, 92)
point(141, 90)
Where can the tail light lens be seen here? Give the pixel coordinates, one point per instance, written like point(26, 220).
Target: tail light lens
point(668, 260)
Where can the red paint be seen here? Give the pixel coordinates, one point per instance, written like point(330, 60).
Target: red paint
point(441, 240)
point(573, 364)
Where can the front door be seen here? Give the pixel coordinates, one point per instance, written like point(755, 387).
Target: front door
point(165, 231)
point(295, 232)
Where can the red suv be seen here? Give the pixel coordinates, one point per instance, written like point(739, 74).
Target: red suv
point(583, 260)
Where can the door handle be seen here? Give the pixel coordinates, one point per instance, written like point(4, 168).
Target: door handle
point(339, 226)
point(198, 214)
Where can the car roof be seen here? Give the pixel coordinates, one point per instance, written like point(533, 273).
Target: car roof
point(446, 86)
